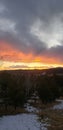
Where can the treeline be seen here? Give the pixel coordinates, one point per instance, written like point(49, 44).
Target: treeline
point(15, 90)
point(50, 87)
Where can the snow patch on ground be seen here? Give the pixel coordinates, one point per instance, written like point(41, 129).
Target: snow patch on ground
point(28, 121)
point(21, 122)
point(59, 106)
point(31, 109)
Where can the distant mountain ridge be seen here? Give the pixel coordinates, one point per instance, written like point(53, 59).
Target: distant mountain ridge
point(58, 70)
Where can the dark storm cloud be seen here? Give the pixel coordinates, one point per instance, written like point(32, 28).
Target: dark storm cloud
point(31, 25)
point(56, 52)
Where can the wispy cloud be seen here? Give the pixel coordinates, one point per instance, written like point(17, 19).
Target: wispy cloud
point(7, 25)
point(3, 8)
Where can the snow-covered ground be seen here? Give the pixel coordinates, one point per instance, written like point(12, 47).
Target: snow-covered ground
point(21, 122)
point(60, 105)
point(28, 121)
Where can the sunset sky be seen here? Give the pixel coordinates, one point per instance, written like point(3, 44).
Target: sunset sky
point(31, 34)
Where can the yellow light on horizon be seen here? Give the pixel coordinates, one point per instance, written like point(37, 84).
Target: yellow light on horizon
point(21, 65)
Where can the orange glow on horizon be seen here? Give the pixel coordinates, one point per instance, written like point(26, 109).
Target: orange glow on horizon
point(10, 57)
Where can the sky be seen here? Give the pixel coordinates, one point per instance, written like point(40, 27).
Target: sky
point(31, 34)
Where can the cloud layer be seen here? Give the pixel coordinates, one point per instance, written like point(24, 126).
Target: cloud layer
point(31, 30)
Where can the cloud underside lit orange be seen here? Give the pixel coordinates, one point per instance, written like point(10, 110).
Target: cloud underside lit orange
point(12, 58)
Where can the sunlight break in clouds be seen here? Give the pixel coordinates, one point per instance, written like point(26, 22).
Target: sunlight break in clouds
point(50, 33)
point(5, 65)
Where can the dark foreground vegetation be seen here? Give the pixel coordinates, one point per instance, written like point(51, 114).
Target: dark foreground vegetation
point(17, 86)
